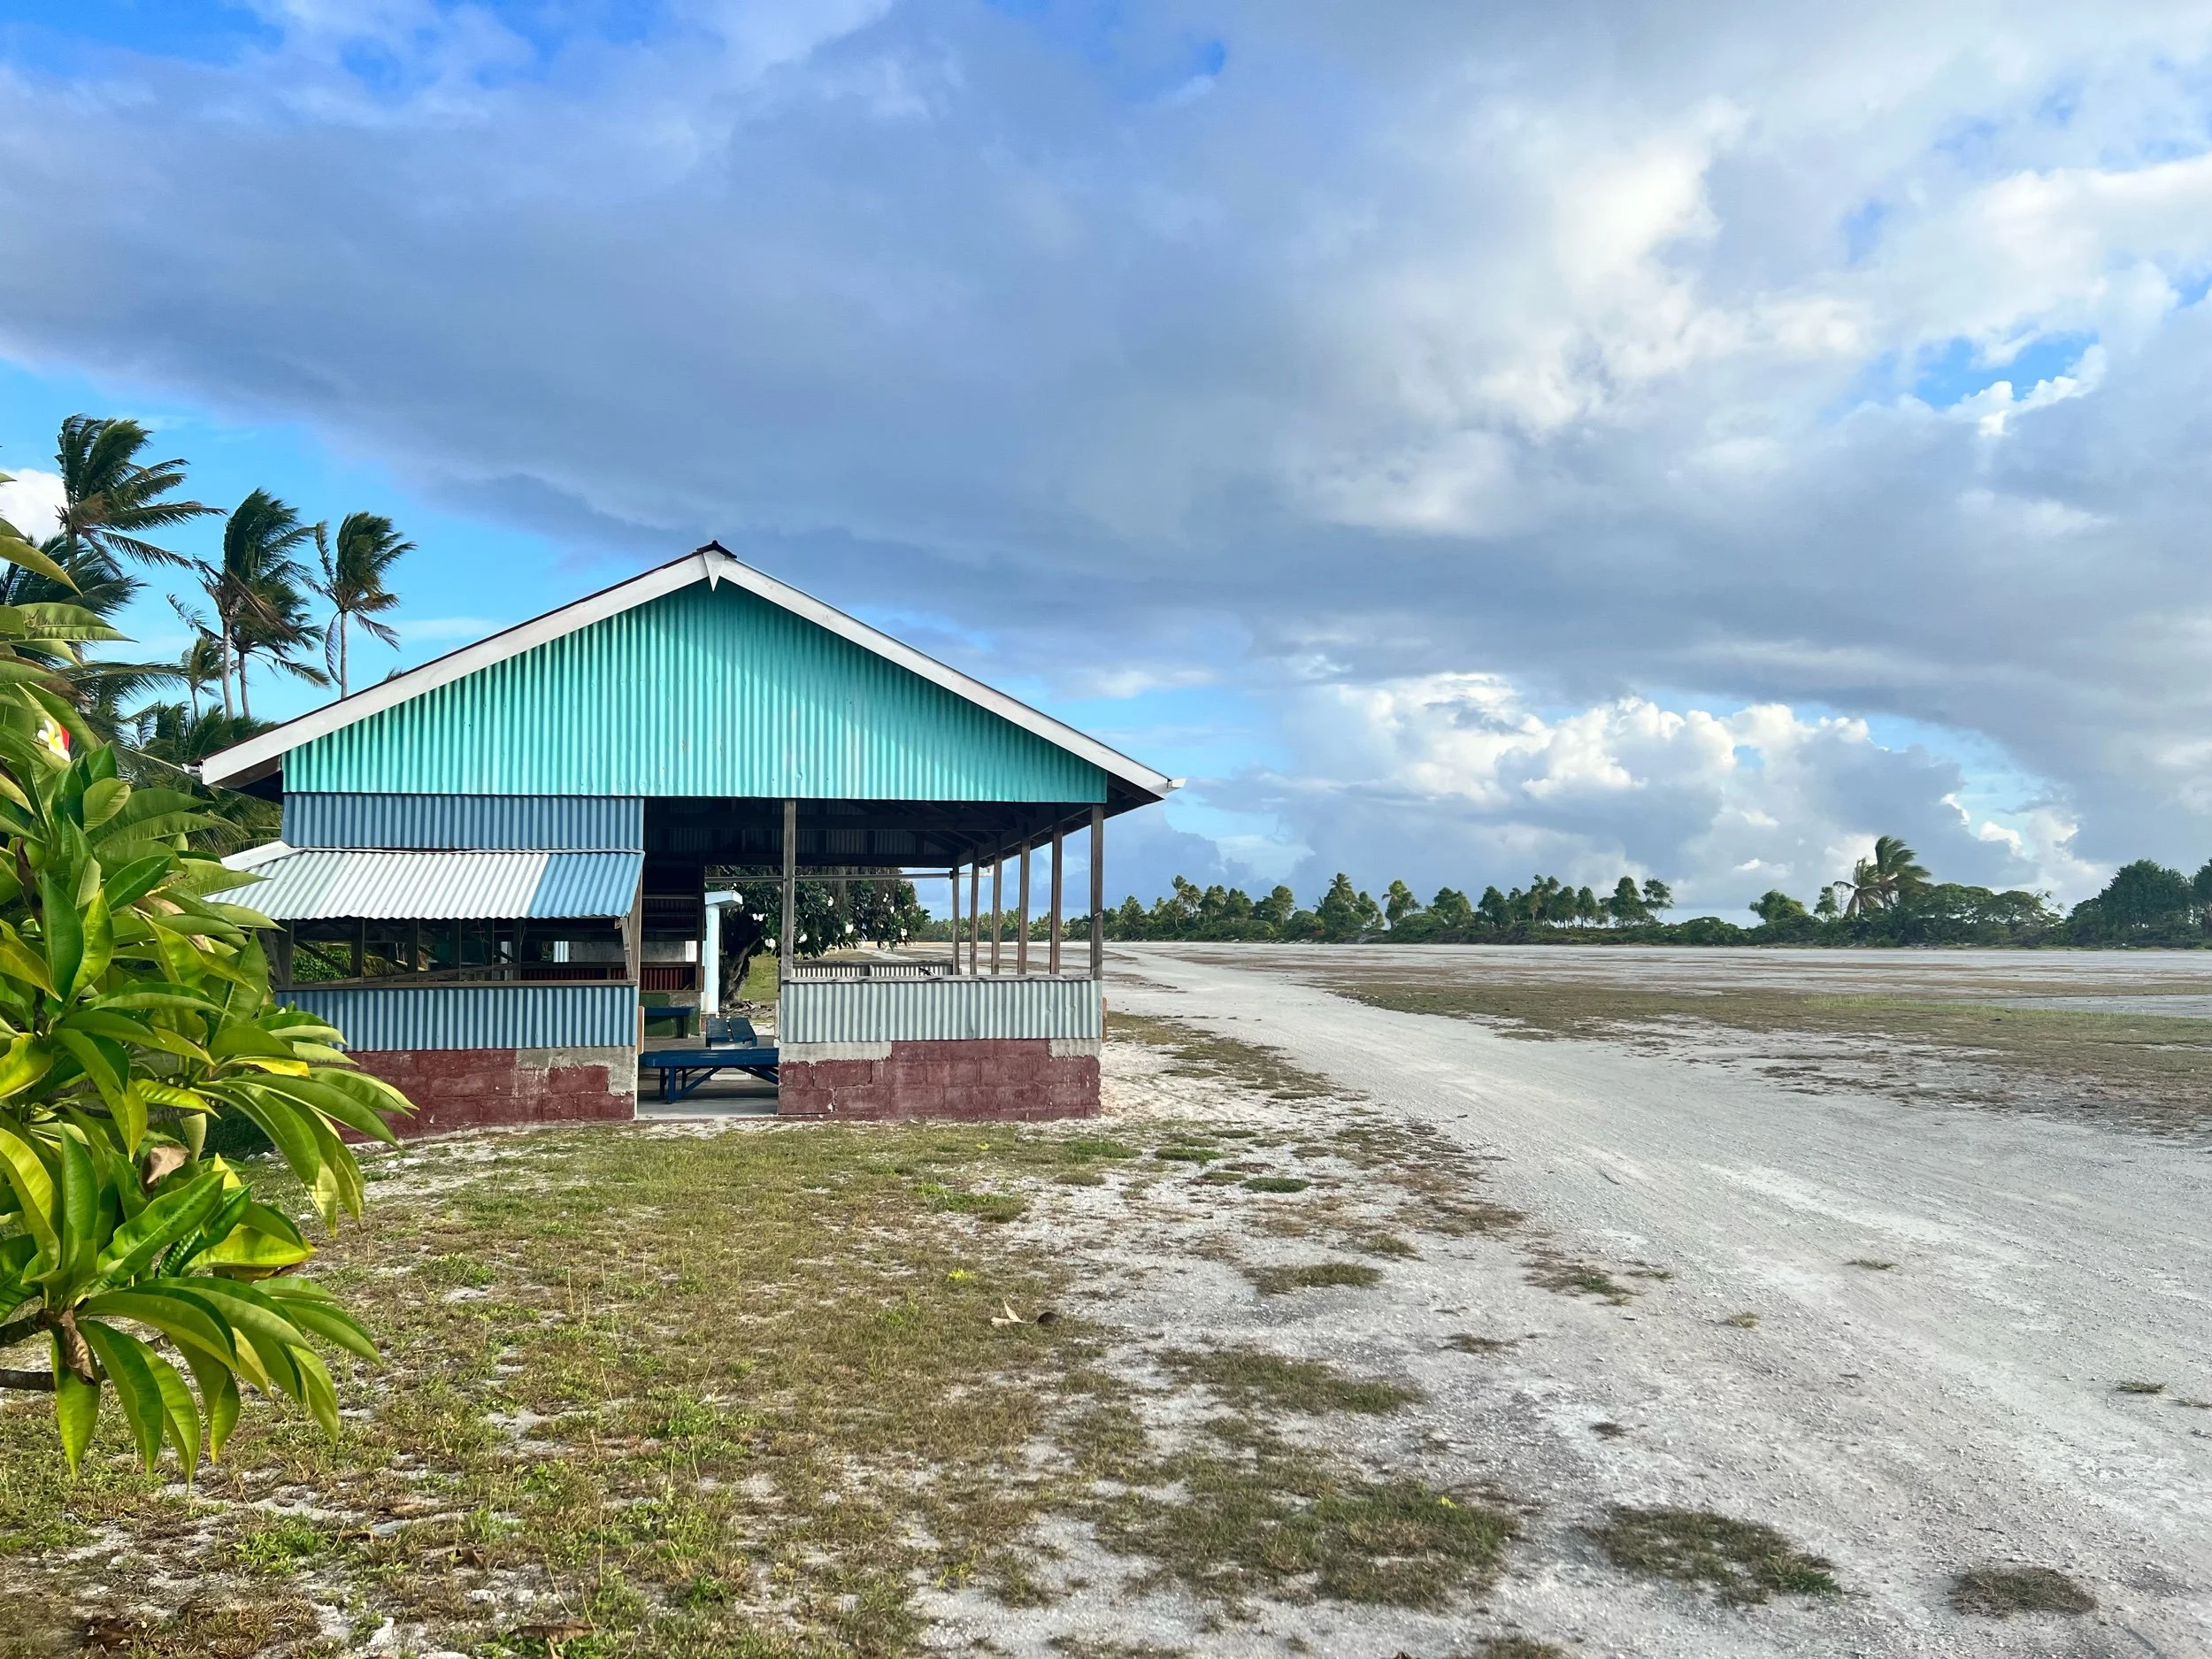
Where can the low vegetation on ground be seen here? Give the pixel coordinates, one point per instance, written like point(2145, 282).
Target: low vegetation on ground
point(1744, 1561)
point(647, 1392)
point(2156, 1069)
point(2000, 1591)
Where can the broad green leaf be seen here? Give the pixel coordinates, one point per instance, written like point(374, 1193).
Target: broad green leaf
point(61, 928)
point(322, 1093)
point(248, 1252)
point(99, 940)
point(34, 1190)
point(186, 1323)
point(324, 1318)
point(80, 1215)
point(316, 1390)
point(18, 961)
point(135, 880)
point(102, 1062)
point(26, 1060)
point(179, 1418)
point(218, 1392)
point(243, 1037)
point(103, 800)
point(157, 1226)
point(277, 1118)
point(175, 1098)
point(16, 551)
point(123, 1357)
point(76, 1410)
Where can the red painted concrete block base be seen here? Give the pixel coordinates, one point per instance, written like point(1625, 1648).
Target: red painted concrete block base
point(998, 1079)
point(468, 1089)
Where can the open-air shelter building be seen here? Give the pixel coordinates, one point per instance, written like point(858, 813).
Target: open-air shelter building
point(490, 864)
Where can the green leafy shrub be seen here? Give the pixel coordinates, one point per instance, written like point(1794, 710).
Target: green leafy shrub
point(135, 1012)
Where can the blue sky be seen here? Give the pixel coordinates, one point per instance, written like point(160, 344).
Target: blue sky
point(1462, 442)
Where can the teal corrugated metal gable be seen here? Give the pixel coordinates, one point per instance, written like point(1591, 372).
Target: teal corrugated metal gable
point(703, 691)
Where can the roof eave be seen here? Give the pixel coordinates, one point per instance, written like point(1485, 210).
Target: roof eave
point(257, 757)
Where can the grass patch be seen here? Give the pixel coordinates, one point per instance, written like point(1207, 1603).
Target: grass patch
point(1387, 1244)
point(703, 1361)
point(1197, 1053)
point(281, 1544)
point(1467, 1342)
point(2154, 1068)
point(456, 1273)
point(1871, 1263)
point(2138, 1387)
point(1092, 1149)
point(1276, 1184)
point(1518, 1647)
point(1081, 1178)
point(1283, 1525)
point(1252, 1380)
point(1577, 1279)
point(982, 1206)
point(1187, 1155)
point(1609, 1431)
point(1744, 1561)
point(1745, 1321)
point(1280, 1281)
point(2000, 1591)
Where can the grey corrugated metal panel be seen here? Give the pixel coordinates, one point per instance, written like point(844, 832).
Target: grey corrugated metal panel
point(589, 884)
point(320, 884)
point(291, 885)
point(701, 692)
point(453, 822)
point(937, 1010)
point(477, 1016)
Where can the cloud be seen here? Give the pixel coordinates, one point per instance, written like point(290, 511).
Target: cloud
point(32, 501)
point(1547, 357)
point(1453, 780)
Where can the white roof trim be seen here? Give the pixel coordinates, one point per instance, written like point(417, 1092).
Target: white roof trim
point(712, 564)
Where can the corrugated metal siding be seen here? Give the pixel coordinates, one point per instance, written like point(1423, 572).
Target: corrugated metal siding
point(322, 885)
point(937, 1010)
point(705, 692)
point(477, 1016)
point(591, 823)
point(589, 884)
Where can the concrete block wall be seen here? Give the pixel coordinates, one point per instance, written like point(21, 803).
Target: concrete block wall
point(467, 1088)
point(997, 1079)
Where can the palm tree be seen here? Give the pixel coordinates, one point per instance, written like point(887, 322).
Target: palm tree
point(1892, 877)
point(257, 590)
point(199, 667)
point(110, 497)
point(353, 581)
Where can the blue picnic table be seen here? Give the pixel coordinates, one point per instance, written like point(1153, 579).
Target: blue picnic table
point(684, 1070)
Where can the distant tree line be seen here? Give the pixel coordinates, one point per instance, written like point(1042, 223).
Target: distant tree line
point(1888, 899)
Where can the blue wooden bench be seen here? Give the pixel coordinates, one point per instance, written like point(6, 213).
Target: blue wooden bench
point(684, 1070)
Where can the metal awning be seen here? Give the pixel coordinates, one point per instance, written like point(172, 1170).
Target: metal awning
point(315, 884)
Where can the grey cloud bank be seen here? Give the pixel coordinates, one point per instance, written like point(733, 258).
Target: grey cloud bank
point(1568, 419)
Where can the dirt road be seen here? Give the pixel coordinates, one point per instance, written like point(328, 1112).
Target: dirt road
point(1962, 1406)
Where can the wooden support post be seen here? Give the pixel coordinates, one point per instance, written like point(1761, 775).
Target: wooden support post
point(414, 948)
point(787, 934)
point(998, 906)
point(360, 947)
point(975, 912)
point(952, 878)
point(1098, 893)
point(1052, 948)
point(1021, 919)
